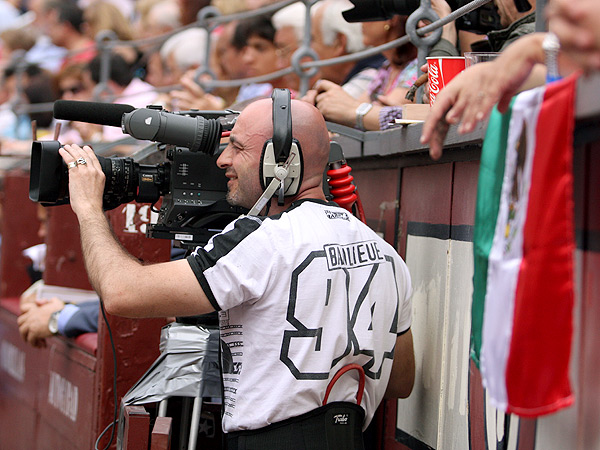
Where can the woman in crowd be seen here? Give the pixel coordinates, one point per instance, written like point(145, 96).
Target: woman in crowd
point(389, 87)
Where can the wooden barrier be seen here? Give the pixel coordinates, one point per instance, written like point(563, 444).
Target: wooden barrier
point(63, 396)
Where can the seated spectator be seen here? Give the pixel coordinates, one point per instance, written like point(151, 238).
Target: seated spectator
point(289, 31)
point(389, 87)
point(102, 16)
point(333, 37)
point(44, 53)
point(70, 84)
point(64, 24)
point(182, 55)
point(42, 318)
point(255, 38)
point(226, 65)
point(17, 91)
point(15, 39)
point(121, 86)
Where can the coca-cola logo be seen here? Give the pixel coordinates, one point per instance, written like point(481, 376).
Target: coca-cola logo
point(434, 81)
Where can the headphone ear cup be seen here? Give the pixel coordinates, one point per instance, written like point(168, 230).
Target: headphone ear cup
point(295, 169)
point(270, 156)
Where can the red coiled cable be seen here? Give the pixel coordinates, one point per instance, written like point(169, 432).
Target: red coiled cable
point(344, 192)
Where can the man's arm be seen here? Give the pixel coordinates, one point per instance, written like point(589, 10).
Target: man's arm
point(127, 287)
point(402, 378)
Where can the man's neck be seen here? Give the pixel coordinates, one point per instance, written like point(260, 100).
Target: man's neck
point(315, 194)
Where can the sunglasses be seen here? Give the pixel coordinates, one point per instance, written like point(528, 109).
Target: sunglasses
point(75, 89)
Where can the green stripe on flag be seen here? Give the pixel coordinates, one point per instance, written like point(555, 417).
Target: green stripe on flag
point(489, 188)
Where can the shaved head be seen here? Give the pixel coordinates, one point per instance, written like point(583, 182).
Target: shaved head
point(254, 126)
point(308, 127)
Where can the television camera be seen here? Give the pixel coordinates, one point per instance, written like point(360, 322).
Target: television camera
point(191, 186)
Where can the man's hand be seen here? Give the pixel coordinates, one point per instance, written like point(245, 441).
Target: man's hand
point(86, 179)
point(33, 322)
point(192, 96)
point(335, 104)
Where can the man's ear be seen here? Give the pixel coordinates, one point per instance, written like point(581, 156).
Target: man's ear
point(340, 44)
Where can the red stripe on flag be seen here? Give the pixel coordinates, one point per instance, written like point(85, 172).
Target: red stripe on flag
point(537, 373)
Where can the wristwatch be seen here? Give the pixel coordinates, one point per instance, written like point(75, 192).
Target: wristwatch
point(53, 322)
point(361, 112)
point(551, 47)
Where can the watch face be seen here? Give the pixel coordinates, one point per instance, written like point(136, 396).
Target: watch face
point(364, 108)
point(53, 323)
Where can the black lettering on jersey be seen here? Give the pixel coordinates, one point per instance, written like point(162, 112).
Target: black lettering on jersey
point(356, 299)
point(353, 255)
point(337, 215)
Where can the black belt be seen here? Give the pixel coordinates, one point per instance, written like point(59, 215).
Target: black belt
point(337, 425)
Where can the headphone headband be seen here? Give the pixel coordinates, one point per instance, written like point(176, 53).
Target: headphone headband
point(282, 124)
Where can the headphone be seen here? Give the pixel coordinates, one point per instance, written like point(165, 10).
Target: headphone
point(281, 156)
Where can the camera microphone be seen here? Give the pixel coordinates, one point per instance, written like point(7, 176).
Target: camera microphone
point(110, 114)
point(150, 124)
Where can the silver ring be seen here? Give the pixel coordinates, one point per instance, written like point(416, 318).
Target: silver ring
point(81, 161)
point(72, 164)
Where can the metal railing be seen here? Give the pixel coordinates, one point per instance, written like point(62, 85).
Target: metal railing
point(210, 18)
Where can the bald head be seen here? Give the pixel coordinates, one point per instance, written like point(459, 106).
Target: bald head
point(241, 159)
point(308, 127)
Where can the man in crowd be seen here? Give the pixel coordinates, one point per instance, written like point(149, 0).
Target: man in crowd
point(302, 293)
point(333, 37)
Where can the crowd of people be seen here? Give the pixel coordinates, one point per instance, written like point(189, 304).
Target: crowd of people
point(245, 279)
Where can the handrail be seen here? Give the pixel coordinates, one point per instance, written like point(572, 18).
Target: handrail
point(209, 18)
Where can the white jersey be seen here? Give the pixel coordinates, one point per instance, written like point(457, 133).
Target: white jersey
point(301, 295)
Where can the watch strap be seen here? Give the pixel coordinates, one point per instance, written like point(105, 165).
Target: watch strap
point(361, 112)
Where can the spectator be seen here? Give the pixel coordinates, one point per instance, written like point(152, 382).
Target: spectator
point(44, 53)
point(121, 86)
point(64, 24)
point(15, 39)
point(333, 37)
point(255, 38)
point(516, 24)
point(289, 31)
point(70, 83)
point(389, 87)
point(228, 61)
point(42, 318)
point(15, 81)
point(183, 51)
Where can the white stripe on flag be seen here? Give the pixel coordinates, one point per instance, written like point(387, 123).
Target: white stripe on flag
point(507, 248)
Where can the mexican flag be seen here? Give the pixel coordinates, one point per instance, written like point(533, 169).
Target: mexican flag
point(524, 244)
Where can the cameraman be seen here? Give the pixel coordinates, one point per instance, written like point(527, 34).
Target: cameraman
point(301, 292)
point(515, 23)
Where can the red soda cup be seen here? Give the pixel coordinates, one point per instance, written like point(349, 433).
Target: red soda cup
point(440, 70)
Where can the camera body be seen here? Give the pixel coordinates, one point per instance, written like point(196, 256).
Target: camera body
point(481, 20)
point(192, 188)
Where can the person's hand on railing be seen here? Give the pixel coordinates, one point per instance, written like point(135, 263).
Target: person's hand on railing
point(192, 96)
point(335, 104)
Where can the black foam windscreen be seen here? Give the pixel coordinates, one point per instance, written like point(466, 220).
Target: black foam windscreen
point(91, 112)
